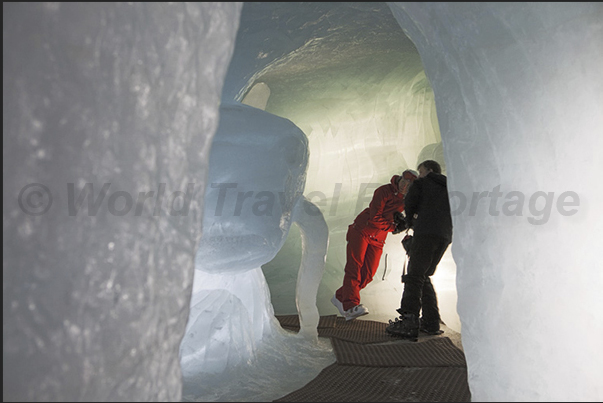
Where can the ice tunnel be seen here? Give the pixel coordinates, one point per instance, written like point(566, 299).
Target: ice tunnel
point(110, 110)
point(350, 78)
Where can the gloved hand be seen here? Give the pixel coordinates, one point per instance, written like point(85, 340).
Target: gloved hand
point(400, 223)
point(398, 230)
point(407, 242)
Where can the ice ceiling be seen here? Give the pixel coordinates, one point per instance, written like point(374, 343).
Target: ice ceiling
point(348, 76)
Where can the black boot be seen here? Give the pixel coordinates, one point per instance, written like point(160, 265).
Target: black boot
point(407, 327)
point(431, 328)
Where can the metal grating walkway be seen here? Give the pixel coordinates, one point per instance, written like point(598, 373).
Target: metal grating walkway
point(373, 366)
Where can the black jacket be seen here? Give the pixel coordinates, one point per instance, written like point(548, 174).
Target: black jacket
point(428, 199)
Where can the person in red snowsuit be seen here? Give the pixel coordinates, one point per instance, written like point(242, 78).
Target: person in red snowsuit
point(366, 237)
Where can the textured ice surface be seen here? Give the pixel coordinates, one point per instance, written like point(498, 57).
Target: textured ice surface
point(257, 173)
point(95, 304)
point(286, 363)
point(235, 350)
point(519, 95)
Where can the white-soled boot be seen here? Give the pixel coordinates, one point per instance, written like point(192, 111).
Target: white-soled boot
point(355, 312)
point(338, 305)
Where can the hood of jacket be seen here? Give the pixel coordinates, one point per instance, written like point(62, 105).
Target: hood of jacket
point(394, 182)
point(437, 178)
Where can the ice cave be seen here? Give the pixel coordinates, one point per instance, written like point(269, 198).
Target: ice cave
point(176, 174)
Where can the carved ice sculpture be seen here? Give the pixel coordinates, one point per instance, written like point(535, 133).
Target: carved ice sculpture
point(254, 191)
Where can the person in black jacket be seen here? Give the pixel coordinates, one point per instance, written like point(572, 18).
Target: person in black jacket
point(428, 214)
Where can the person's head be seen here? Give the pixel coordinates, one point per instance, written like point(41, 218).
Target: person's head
point(428, 166)
point(406, 179)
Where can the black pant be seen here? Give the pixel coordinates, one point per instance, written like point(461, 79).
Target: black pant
point(425, 254)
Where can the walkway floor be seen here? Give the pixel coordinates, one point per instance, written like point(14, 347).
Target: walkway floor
point(373, 366)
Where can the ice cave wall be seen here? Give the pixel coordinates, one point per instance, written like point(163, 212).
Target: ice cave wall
point(122, 96)
point(519, 98)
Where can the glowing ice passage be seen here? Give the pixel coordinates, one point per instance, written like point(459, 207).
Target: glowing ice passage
point(354, 83)
point(96, 298)
point(364, 121)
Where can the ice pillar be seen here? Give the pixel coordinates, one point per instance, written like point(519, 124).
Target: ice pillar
point(519, 97)
point(257, 175)
point(315, 241)
point(109, 109)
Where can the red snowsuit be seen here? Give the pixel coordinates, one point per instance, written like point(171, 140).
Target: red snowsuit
point(366, 237)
